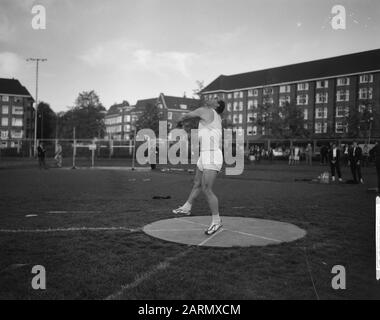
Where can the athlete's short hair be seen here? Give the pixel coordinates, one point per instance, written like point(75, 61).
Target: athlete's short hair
point(221, 107)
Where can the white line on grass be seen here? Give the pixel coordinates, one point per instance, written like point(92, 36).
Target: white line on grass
point(68, 230)
point(75, 211)
point(163, 265)
point(209, 238)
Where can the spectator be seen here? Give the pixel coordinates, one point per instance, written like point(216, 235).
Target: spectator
point(324, 154)
point(41, 156)
point(309, 154)
point(297, 153)
point(346, 149)
point(355, 158)
point(375, 152)
point(365, 156)
point(291, 156)
point(334, 158)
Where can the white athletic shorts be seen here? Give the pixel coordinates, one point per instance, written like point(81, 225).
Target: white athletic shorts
point(210, 160)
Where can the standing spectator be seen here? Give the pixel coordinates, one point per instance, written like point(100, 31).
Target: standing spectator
point(58, 156)
point(375, 152)
point(346, 149)
point(291, 156)
point(41, 156)
point(270, 154)
point(309, 154)
point(355, 158)
point(365, 156)
point(297, 153)
point(324, 154)
point(334, 158)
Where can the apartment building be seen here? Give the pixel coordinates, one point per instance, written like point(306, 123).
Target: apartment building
point(16, 114)
point(326, 91)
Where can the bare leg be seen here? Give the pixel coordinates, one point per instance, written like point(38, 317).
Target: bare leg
point(197, 187)
point(208, 180)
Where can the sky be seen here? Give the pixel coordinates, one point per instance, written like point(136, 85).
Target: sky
point(136, 49)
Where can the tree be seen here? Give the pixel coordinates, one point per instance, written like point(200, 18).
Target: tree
point(149, 119)
point(87, 116)
point(283, 123)
point(360, 122)
point(198, 91)
point(46, 121)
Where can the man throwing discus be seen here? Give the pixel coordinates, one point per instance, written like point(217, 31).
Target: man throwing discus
point(210, 160)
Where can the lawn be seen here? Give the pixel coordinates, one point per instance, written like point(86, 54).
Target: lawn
point(85, 229)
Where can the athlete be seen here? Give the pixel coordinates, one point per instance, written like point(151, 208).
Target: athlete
point(210, 159)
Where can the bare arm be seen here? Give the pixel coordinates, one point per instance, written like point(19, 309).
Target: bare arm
point(198, 113)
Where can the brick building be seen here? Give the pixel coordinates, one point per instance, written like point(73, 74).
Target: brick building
point(120, 119)
point(326, 91)
point(16, 114)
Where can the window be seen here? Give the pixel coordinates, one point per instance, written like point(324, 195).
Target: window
point(170, 115)
point(238, 94)
point(363, 108)
point(4, 135)
point(229, 106)
point(343, 81)
point(160, 106)
point(340, 127)
point(366, 78)
point(241, 107)
point(4, 122)
point(229, 96)
point(322, 97)
point(341, 111)
point(305, 114)
point(303, 86)
point(343, 95)
point(306, 126)
point(4, 109)
point(236, 105)
point(268, 91)
point(183, 106)
point(5, 98)
point(16, 122)
point(17, 99)
point(250, 105)
point(18, 110)
point(320, 128)
point(322, 84)
point(365, 93)
point(267, 100)
point(127, 128)
point(284, 100)
point(16, 134)
point(127, 118)
point(321, 113)
point(251, 130)
point(251, 117)
point(253, 93)
point(240, 118)
point(302, 99)
point(284, 89)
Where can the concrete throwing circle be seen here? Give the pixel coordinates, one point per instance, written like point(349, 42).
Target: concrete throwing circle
point(236, 231)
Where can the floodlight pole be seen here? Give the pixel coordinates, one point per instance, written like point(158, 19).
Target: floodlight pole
point(37, 61)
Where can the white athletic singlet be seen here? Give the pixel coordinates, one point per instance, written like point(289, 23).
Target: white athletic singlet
point(210, 135)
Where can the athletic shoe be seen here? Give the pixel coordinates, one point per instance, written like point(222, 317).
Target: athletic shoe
point(214, 227)
point(180, 210)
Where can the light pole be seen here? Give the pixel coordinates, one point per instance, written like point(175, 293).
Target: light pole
point(37, 61)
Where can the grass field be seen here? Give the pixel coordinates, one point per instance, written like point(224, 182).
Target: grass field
point(119, 261)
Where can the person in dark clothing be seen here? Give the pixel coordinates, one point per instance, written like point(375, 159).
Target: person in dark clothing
point(324, 154)
point(355, 158)
point(334, 159)
point(375, 152)
point(41, 156)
